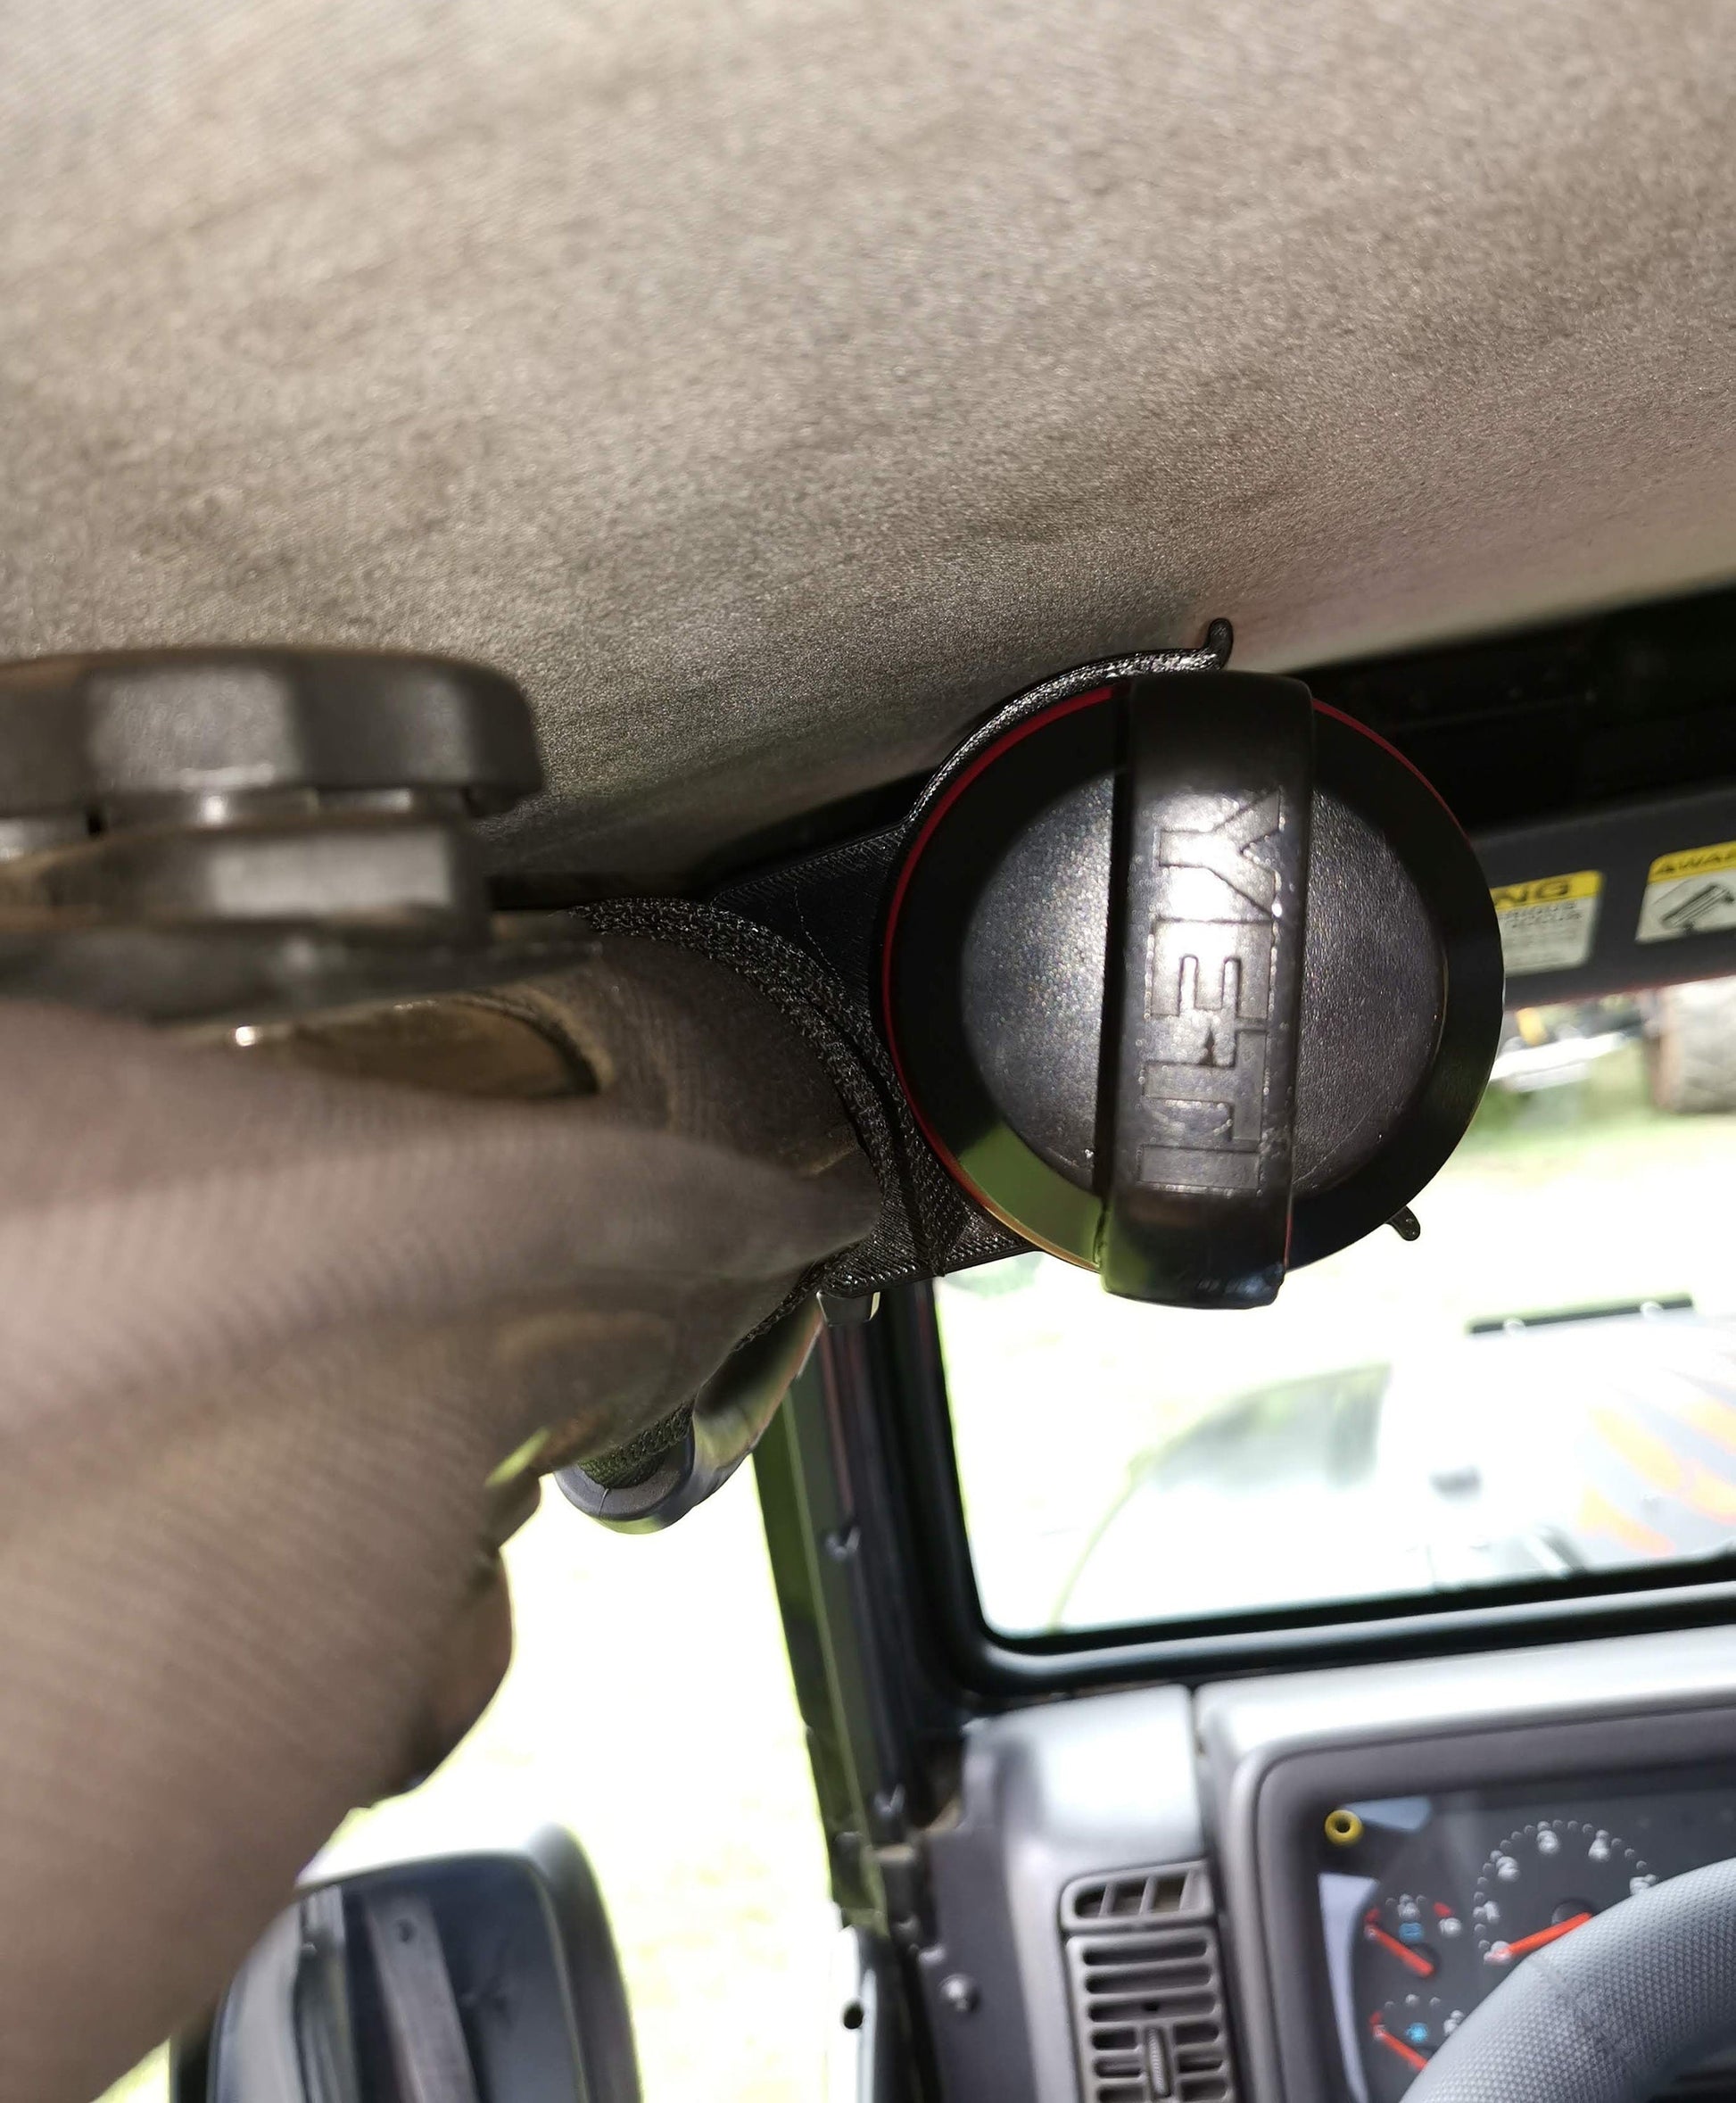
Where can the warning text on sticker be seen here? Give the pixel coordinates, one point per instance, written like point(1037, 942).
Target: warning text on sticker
point(1547, 891)
point(1548, 922)
point(1694, 861)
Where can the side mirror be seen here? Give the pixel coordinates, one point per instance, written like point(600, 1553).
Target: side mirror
point(471, 1978)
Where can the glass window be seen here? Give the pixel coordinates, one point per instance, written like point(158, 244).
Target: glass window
point(1544, 1385)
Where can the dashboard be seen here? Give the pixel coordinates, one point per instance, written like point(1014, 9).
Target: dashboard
point(1393, 1842)
point(1352, 1859)
point(1427, 1902)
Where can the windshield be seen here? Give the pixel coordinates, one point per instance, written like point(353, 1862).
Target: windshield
point(1544, 1386)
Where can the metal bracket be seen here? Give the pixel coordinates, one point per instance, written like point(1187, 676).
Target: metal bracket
point(187, 835)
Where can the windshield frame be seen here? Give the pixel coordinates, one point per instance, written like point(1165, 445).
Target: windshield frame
point(893, 1368)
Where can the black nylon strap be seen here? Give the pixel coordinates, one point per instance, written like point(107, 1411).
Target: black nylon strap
point(927, 1225)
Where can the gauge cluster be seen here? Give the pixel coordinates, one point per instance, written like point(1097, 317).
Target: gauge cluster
point(1428, 1902)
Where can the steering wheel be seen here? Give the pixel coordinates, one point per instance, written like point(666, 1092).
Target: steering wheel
point(1608, 2014)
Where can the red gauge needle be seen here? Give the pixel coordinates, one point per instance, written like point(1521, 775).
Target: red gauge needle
point(1507, 1951)
point(1422, 1966)
point(1414, 2060)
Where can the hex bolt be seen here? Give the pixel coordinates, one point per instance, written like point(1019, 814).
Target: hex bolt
point(960, 1993)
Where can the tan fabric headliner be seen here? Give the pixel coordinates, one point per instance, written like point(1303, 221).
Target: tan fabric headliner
point(773, 383)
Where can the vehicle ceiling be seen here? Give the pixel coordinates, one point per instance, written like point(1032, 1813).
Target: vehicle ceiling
point(774, 385)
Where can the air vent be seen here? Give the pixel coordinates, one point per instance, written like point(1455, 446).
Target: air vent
point(1135, 1896)
point(1146, 1988)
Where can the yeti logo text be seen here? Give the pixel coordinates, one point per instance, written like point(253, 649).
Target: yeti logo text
point(1207, 999)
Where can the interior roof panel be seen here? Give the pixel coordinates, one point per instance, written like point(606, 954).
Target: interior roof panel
point(774, 384)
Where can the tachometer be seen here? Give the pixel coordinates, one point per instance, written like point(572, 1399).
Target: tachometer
point(1410, 1927)
point(1544, 1880)
point(1416, 1973)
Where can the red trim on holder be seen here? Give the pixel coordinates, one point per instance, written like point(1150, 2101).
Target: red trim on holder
point(949, 795)
point(1375, 738)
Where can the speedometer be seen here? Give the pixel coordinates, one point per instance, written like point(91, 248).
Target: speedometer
point(1544, 1880)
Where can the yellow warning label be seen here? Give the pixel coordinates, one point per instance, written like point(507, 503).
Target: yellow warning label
point(1689, 893)
point(1696, 861)
point(1548, 891)
point(1549, 923)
